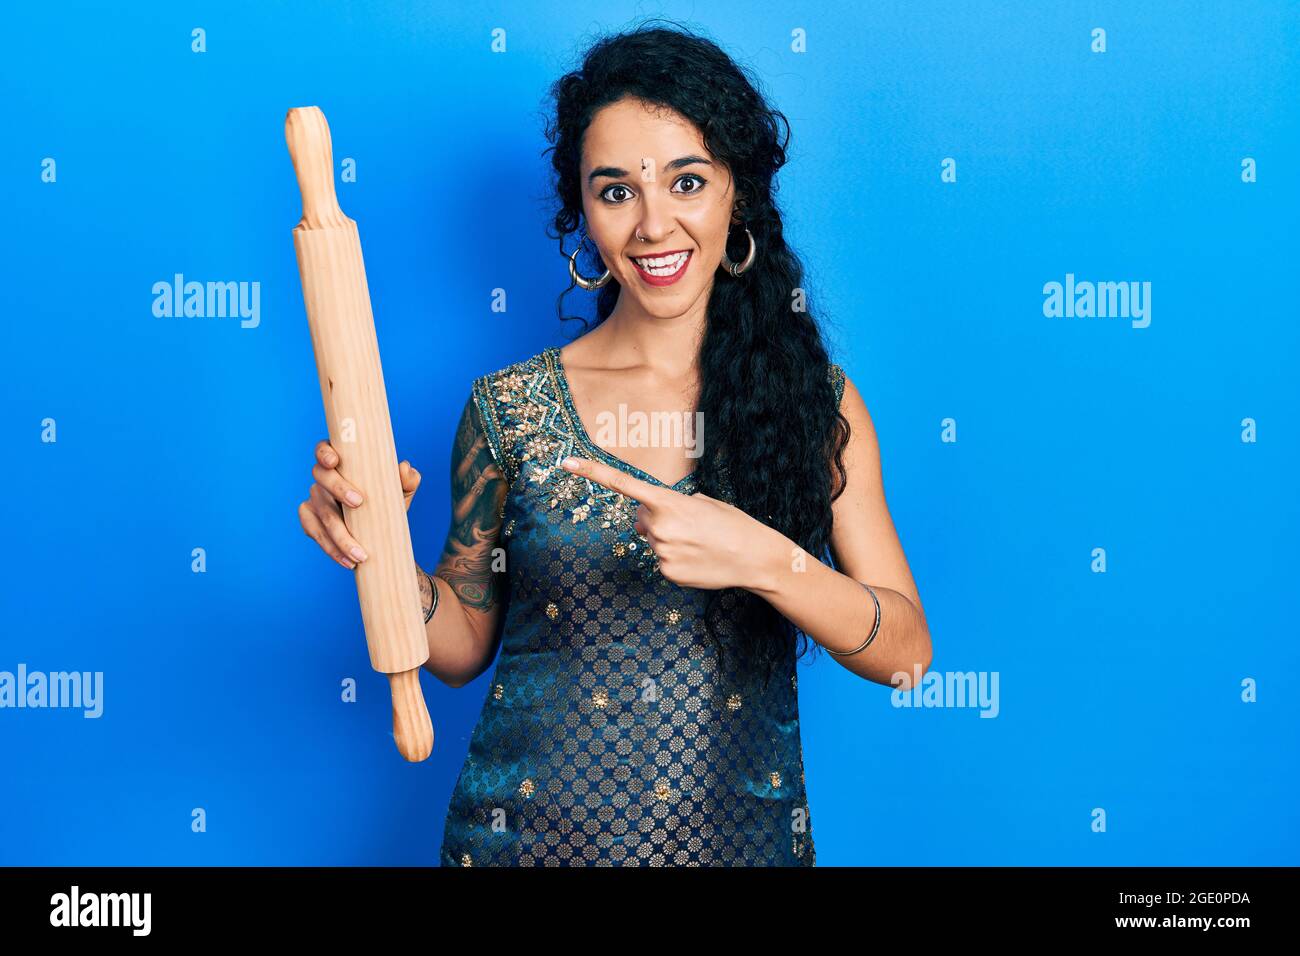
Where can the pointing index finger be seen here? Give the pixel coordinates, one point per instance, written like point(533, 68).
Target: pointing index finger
point(627, 485)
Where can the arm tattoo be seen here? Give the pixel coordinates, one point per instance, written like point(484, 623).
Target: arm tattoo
point(478, 494)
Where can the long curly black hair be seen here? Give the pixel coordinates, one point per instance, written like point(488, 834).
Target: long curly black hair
point(777, 433)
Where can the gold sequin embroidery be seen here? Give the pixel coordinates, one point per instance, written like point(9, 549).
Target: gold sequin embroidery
point(535, 410)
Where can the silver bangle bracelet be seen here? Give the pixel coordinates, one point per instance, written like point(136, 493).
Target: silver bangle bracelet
point(433, 587)
point(874, 630)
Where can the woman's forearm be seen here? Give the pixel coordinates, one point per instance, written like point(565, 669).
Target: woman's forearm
point(837, 611)
point(458, 650)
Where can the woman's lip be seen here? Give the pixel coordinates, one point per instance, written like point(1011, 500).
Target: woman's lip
point(659, 255)
point(649, 279)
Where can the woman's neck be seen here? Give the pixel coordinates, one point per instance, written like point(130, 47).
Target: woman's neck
point(630, 336)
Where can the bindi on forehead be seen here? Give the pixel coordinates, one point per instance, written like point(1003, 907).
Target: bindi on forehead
point(648, 168)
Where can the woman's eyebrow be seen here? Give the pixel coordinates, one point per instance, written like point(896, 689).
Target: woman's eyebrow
point(617, 172)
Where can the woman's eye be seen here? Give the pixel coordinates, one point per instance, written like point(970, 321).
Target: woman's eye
point(697, 179)
point(618, 193)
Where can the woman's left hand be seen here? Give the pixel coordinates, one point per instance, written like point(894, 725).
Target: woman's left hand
point(700, 542)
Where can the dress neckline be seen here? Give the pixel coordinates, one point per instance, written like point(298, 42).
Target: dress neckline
point(556, 367)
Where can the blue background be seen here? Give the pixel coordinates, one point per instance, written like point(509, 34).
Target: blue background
point(1119, 691)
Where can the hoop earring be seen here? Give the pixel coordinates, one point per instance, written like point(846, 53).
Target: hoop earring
point(737, 268)
point(590, 285)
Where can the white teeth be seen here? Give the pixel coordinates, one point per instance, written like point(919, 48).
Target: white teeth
point(664, 265)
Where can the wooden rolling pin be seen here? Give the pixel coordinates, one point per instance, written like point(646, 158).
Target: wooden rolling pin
point(356, 411)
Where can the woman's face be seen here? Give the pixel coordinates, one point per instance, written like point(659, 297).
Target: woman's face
point(646, 168)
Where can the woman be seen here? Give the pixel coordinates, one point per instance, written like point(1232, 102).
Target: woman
point(646, 597)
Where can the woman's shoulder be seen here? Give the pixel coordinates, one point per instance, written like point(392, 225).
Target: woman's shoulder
point(510, 402)
point(514, 375)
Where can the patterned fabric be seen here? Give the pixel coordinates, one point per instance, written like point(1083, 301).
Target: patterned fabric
point(611, 735)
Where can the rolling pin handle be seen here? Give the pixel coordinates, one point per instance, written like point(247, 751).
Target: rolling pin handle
point(308, 136)
point(412, 728)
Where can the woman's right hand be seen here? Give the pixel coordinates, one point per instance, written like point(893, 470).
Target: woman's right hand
point(322, 513)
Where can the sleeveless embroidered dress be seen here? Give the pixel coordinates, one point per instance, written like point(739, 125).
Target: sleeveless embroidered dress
point(610, 734)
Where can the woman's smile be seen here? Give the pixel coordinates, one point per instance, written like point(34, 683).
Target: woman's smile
point(664, 268)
